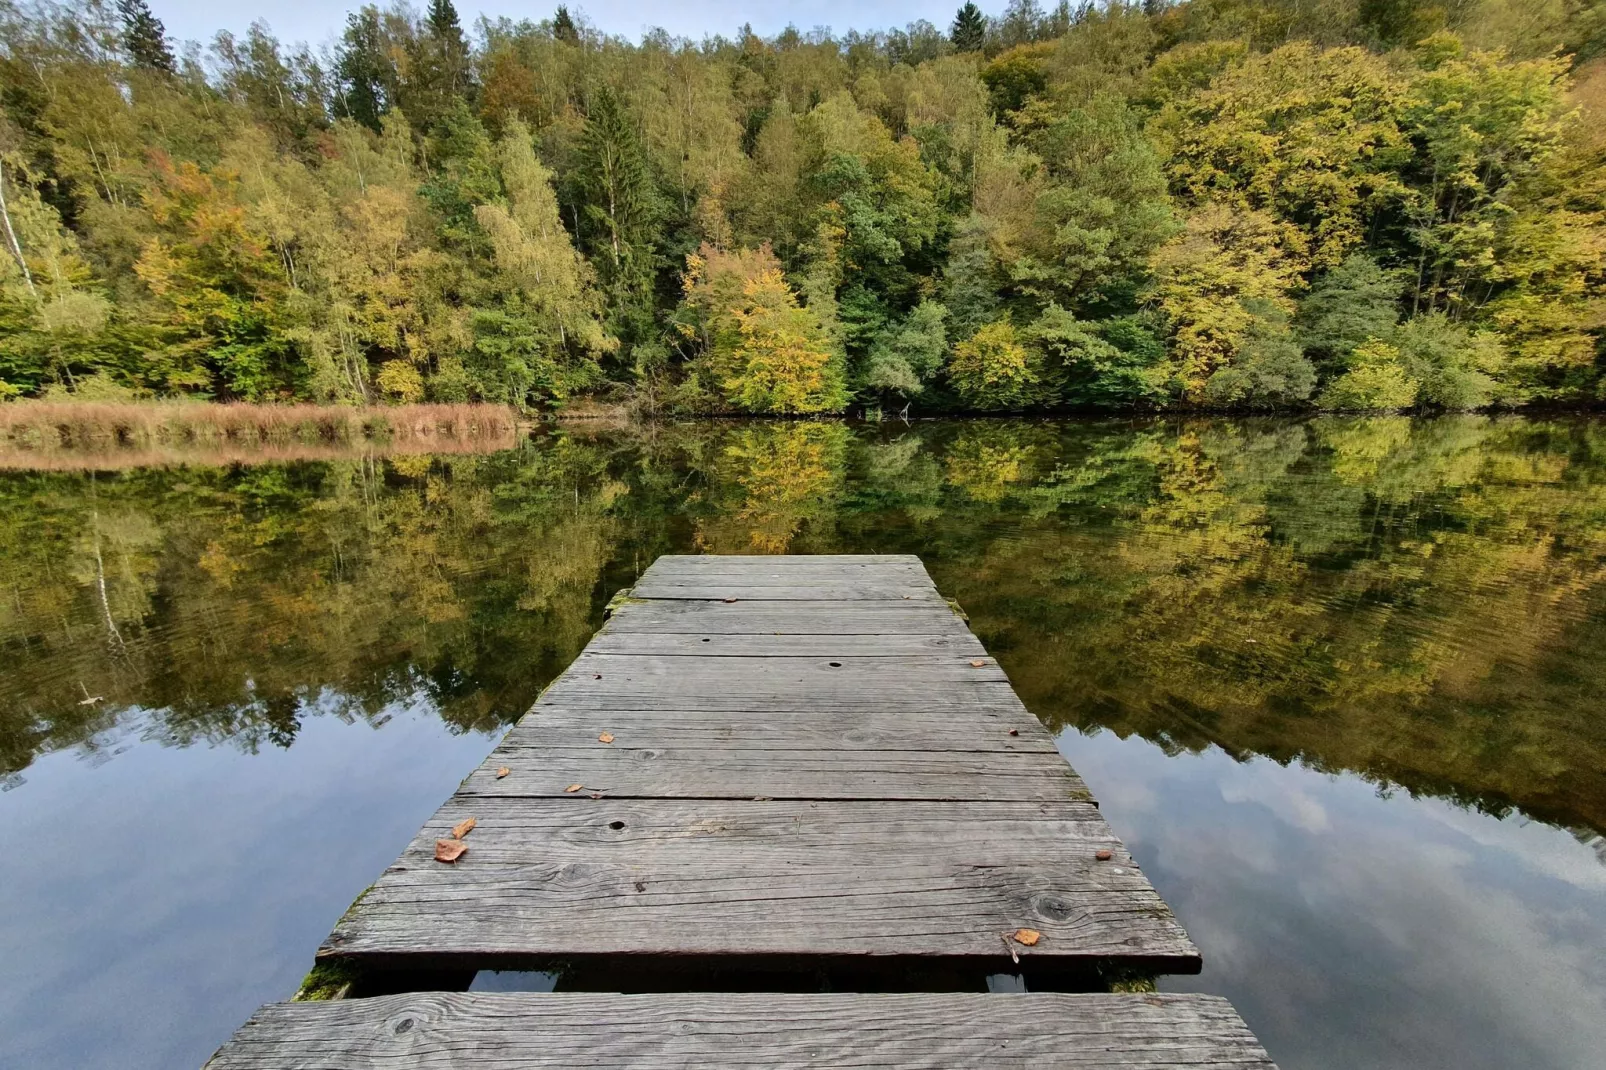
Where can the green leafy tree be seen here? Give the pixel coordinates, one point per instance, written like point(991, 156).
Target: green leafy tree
point(1103, 213)
point(1109, 364)
point(1215, 281)
point(1269, 371)
point(1311, 136)
point(1376, 379)
point(907, 358)
point(971, 291)
point(548, 334)
point(995, 370)
point(763, 351)
point(1351, 304)
point(1455, 368)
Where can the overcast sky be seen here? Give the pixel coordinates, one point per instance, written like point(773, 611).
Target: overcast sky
point(317, 21)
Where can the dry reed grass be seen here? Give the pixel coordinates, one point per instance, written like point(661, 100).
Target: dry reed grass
point(86, 435)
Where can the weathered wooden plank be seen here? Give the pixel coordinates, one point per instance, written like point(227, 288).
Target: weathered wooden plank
point(799, 617)
point(802, 565)
point(719, 562)
point(780, 683)
point(765, 645)
point(845, 591)
point(839, 672)
point(778, 1031)
point(722, 564)
point(576, 877)
point(778, 696)
point(1001, 728)
point(729, 773)
point(998, 754)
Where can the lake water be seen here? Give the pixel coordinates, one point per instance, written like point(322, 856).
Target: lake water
point(1338, 683)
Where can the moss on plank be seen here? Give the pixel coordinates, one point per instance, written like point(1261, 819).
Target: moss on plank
point(623, 598)
point(1126, 979)
point(326, 981)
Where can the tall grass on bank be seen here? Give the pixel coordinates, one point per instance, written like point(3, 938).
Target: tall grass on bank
point(83, 435)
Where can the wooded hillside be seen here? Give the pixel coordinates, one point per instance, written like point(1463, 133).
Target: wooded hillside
point(1217, 203)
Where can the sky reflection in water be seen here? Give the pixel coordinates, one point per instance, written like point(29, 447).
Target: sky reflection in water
point(232, 695)
point(1353, 930)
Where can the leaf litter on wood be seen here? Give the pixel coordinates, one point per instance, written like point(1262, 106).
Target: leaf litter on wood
point(450, 850)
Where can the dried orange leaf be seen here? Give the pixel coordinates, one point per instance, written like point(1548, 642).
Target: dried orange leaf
point(572, 788)
point(977, 664)
point(450, 850)
point(463, 828)
point(606, 737)
point(1104, 854)
point(1028, 937)
point(730, 599)
point(502, 772)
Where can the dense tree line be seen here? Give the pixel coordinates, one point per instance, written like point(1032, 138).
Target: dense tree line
point(1214, 203)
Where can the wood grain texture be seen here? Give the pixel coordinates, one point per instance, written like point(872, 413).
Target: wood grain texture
point(854, 790)
point(562, 1031)
point(833, 591)
point(550, 877)
point(795, 617)
point(834, 646)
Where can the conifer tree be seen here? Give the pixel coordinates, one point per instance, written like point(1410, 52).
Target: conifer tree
point(621, 208)
point(970, 28)
point(145, 37)
point(363, 70)
point(563, 27)
point(447, 30)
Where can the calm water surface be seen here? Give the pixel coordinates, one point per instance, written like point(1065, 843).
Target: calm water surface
point(1338, 684)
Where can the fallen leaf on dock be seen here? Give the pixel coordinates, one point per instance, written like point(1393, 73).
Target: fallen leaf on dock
point(977, 664)
point(1014, 731)
point(606, 737)
point(1027, 937)
point(502, 772)
point(730, 599)
point(450, 850)
point(1103, 855)
point(572, 788)
point(463, 828)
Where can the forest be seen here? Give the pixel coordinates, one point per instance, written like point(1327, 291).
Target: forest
point(1210, 204)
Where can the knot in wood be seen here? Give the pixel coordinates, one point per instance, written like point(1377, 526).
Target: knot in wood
point(1053, 908)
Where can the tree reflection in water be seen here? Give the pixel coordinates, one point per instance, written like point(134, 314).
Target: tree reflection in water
point(1419, 601)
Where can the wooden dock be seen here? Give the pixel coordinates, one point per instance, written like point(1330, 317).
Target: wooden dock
point(799, 776)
